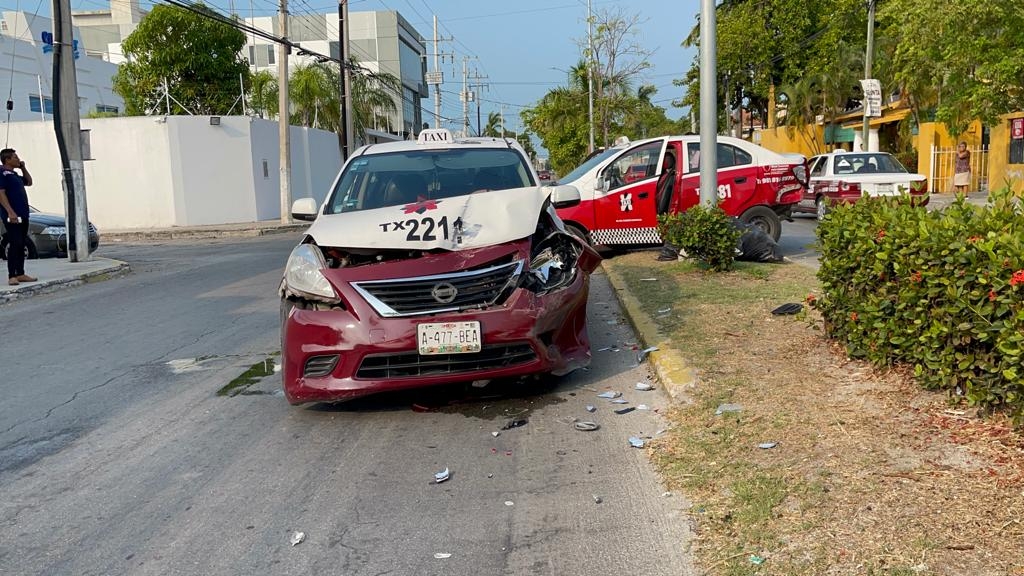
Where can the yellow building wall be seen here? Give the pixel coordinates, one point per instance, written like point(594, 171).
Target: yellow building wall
point(807, 140)
point(1000, 171)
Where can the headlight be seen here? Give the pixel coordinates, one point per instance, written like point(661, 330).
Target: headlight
point(303, 272)
point(553, 265)
point(55, 231)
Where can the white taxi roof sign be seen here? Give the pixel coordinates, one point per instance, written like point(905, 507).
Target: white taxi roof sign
point(435, 136)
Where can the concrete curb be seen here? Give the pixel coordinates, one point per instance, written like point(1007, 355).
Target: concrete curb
point(27, 290)
point(678, 378)
point(198, 234)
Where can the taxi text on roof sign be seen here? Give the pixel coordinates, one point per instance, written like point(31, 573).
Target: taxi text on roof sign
point(435, 136)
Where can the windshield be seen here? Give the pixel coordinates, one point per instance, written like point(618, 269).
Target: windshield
point(588, 165)
point(852, 163)
point(378, 180)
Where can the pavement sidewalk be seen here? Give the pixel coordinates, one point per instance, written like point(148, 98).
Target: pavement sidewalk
point(238, 230)
point(57, 273)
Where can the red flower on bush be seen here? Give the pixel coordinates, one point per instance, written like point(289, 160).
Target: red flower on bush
point(853, 316)
point(1017, 278)
point(974, 239)
point(915, 277)
point(880, 235)
point(811, 299)
point(992, 295)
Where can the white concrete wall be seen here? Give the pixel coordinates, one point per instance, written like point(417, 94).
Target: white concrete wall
point(148, 172)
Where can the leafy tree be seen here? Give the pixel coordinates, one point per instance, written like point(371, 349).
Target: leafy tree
point(618, 57)
point(263, 94)
point(560, 120)
point(373, 99)
point(197, 56)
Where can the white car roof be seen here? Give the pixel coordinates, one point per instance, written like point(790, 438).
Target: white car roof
point(445, 141)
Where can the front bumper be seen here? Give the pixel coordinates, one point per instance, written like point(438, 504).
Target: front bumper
point(57, 245)
point(367, 353)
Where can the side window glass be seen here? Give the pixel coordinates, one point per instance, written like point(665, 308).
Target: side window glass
point(692, 157)
point(818, 166)
point(726, 156)
point(633, 166)
point(742, 157)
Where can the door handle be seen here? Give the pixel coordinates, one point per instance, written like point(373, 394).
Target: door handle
point(643, 194)
point(740, 180)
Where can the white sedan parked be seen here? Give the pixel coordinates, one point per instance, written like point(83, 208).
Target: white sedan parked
point(845, 177)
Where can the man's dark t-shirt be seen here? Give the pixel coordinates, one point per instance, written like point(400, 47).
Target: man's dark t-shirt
point(13, 185)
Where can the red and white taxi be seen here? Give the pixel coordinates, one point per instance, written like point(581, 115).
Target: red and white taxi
point(432, 262)
point(845, 177)
point(619, 186)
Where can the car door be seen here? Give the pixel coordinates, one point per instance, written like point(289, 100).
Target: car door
point(625, 209)
point(737, 177)
point(819, 169)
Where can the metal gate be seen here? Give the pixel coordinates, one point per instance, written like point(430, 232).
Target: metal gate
point(944, 162)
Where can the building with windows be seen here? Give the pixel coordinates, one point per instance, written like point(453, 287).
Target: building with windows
point(102, 31)
point(381, 41)
point(26, 70)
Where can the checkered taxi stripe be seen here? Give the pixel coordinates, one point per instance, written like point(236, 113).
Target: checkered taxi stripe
point(626, 236)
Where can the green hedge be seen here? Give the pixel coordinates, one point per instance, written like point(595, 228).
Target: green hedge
point(941, 291)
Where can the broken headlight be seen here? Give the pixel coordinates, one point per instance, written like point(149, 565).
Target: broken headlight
point(303, 276)
point(553, 264)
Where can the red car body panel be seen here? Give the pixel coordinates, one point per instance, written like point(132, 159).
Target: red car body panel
point(551, 325)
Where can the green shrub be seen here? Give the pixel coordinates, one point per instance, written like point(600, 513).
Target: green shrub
point(941, 291)
point(703, 233)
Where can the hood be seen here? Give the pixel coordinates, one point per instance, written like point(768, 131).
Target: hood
point(459, 223)
point(47, 219)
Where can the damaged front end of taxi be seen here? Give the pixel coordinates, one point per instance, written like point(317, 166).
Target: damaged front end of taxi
point(363, 320)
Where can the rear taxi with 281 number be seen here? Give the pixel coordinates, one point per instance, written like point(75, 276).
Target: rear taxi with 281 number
point(430, 262)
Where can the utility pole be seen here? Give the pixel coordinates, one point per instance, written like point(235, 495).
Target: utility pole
point(282, 117)
point(708, 104)
point(501, 116)
point(590, 76)
point(436, 78)
point(466, 96)
point(68, 128)
point(868, 56)
point(476, 96)
point(347, 139)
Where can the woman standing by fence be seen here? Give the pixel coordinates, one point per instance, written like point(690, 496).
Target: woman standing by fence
point(962, 171)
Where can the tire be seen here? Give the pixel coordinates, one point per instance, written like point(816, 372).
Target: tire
point(30, 249)
point(820, 208)
point(764, 218)
point(578, 231)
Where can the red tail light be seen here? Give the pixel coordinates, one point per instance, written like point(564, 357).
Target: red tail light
point(849, 188)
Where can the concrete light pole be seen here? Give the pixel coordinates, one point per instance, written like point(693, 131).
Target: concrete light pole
point(282, 117)
point(708, 105)
point(590, 76)
point(868, 57)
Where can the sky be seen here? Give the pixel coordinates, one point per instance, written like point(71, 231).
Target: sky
point(518, 45)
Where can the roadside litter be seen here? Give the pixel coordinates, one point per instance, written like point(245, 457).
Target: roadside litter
point(625, 410)
point(515, 424)
point(620, 401)
point(756, 560)
point(591, 408)
point(644, 386)
point(495, 434)
point(767, 445)
point(442, 555)
point(586, 426)
point(643, 407)
point(297, 538)
point(723, 408)
point(636, 442)
point(755, 245)
point(788, 309)
point(609, 395)
point(509, 503)
point(442, 476)
point(597, 499)
point(642, 355)
point(648, 279)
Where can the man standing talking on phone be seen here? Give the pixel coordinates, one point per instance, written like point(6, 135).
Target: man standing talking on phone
point(14, 211)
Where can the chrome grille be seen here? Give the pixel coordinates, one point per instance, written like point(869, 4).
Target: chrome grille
point(440, 292)
point(411, 364)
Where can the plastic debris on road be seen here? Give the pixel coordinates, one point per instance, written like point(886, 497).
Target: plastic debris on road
point(297, 538)
point(643, 407)
point(642, 355)
point(644, 386)
point(442, 476)
point(625, 410)
point(620, 401)
point(591, 408)
point(515, 424)
point(723, 408)
point(609, 395)
point(767, 445)
point(495, 434)
point(586, 426)
point(636, 442)
point(442, 555)
point(597, 499)
point(509, 503)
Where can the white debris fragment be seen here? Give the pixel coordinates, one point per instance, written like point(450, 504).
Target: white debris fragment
point(297, 538)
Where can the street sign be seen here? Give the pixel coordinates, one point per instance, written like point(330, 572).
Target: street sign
point(47, 38)
point(435, 77)
point(1017, 128)
point(872, 98)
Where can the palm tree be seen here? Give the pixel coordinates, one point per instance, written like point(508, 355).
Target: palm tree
point(374, 96)
point(315, 97)
point(263, 94)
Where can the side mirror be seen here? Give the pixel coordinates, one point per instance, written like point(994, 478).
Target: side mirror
point(564, 196)
point(601, 185)
point(305, 209)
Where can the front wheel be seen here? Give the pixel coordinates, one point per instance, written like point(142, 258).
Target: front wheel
point(764, 218)
point(821, 208)
point(578, 232)
point(30, 249)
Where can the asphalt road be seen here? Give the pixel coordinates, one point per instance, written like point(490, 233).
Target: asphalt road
point(797, 241)
point(118, 456)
